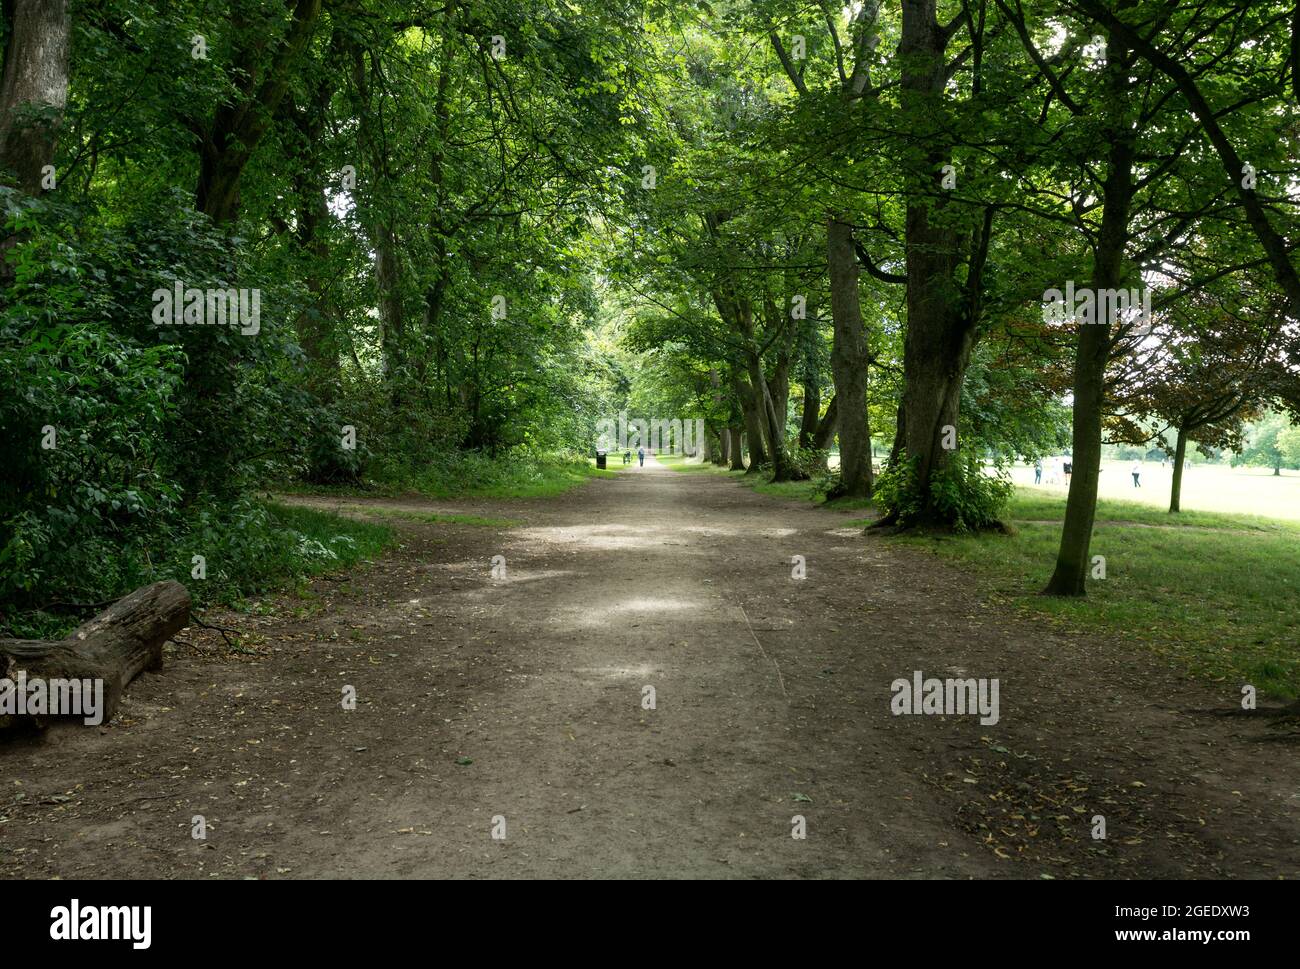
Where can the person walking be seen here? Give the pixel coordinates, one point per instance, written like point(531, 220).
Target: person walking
point(1038, 471)
point(640, 456)
point(1136, 471)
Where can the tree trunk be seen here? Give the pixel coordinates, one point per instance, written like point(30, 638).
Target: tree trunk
point(720, 454)
point(900, 437)
point(734, 452)
point(811, 413)
point(753, 426)
point(1180, 453)
point(33, 94)
point(237, 127)
point(1091, 355)
point(1093, 348)
point(438, 228)
point(773, 427)
point(778, 386)
point(34, 89)
point(379, 227)
point(828, 426)
point(849, 363)
point(942, 309)
point(114, 647)
point(317, 323)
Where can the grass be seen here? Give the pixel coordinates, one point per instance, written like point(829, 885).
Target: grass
point(789, 490)
point(350, 541)
point(1032, 505)
point(306, 542)
point(512, 476)
point(469, 474)
point(680, 462)
point(1216, 591)
point(435, 518)
point(1206, 487)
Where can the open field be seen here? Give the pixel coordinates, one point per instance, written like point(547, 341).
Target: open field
point(1206, 487)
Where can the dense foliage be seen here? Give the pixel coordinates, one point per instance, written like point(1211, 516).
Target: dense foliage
point(463, 233)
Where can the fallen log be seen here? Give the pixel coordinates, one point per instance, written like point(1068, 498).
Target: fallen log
point(113, 648)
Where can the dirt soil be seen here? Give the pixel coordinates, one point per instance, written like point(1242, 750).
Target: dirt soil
point(521, 698)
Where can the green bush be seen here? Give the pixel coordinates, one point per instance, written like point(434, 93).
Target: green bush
point(960, 495)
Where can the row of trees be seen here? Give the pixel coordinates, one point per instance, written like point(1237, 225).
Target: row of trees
point(445, 208)
point(874, 203)
point(408, 187)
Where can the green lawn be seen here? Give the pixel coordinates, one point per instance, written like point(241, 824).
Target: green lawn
point(1217, 591)
point(790, 490)
point(679, 462)
point(509, 476)
point(469, 474)
point(1206, 487)
point(431, 517)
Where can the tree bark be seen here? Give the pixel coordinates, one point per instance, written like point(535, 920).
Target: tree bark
point(34, 88)
point(734, 453)
point(828, 426)
point(719, 455)
point(1180, 454)
point(942, 309)
point(810, 414)
point(849, 363)
point(1092, 351)
point(753, 425)
point(438, 226)
point(379, 226)
point(115, 647)
point(233, 133)
point(772, 425)
point(317, 324)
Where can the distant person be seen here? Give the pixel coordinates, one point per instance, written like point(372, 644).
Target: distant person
point(1069, 470)
point(1136, 471)
point(1038, 471)
point(627, 457)
point(640, 455)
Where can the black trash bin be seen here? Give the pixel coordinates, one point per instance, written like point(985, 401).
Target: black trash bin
point(600, 460)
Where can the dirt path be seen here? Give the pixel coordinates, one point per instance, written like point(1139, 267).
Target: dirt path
point(772, 700)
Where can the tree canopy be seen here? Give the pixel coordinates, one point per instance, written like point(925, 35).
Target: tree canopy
point(470, 229)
